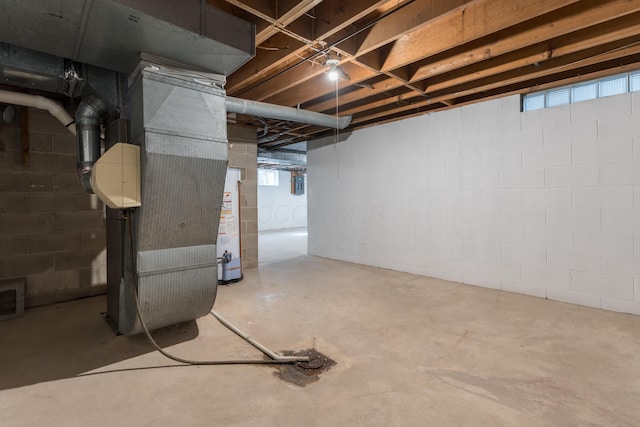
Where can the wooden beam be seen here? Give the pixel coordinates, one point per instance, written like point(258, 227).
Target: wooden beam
point(358, 94)
point(332, 17)
point(631, 64)
point(545, 7)
point(321, 86)
point(576, 17)
point(279, 50)
point(607, 34)
point(601, 33)
point(389, 100)
point(397, 23)
point(607, 63)
point(256, 7)
point(361, 93)
point(319, 89)
point(278, 19)
point(301, 77)
point(285, 20)
point(475, 20)
point(407, 17)
point(584, 59)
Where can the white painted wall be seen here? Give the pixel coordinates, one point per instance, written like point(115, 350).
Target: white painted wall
point(544, 203)
point(278, 208)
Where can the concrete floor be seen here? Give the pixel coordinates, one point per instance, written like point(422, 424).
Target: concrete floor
point(410, 351)
point(280, 245)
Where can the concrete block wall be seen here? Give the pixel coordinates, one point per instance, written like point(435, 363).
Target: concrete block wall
point(545, 203)
point(51, 233)
point(244, 156)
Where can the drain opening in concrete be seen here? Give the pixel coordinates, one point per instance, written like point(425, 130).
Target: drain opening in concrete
point(303, 373)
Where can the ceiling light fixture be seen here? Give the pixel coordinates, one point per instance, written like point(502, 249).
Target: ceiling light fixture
point(333, 71)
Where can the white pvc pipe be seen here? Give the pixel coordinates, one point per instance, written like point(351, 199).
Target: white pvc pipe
point(41, 103)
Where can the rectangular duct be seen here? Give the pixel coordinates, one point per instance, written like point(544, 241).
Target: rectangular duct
point(113, 33)
point(180, 125)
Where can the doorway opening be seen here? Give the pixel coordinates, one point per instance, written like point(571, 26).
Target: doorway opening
point(282, 214)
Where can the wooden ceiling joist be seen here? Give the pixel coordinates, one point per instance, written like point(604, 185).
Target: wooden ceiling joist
point(567, 21)
point(408, 57)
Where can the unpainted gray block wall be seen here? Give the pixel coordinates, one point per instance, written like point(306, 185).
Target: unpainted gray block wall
point(244, 156)
point(51, 232)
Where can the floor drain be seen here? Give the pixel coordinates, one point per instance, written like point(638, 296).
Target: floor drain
point(303, 373)
point(316, 361)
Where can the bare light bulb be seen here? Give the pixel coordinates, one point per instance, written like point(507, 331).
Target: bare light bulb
point(333, 71)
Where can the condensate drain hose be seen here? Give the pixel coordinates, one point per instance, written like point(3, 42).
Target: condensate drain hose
point(276, 359)
point(256, 344)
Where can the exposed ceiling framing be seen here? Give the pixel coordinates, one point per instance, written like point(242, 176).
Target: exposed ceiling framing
point(409, 57)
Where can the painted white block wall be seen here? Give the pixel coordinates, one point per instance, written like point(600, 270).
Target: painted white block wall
point(544, 203)
point(278, 208)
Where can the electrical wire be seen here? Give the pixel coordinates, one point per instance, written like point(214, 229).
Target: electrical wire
point(337, 134)
point(327, 47)
point(134, 285)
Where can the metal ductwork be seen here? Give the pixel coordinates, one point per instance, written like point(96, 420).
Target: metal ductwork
point(272, 111)
point(38, 71)
point(113, 33)
point(178, 120)
point(181, 128)
point(88, 116)
point(284, 160)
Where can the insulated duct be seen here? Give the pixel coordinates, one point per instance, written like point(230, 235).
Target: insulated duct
point(272, 111)
point(88, 117)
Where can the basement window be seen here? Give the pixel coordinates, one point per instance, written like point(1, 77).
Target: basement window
point(634, 82)
point(608, 86)
point(535, 101)
point(558, 97)
point(613, 86)
point(584, 92)
point(268, 177)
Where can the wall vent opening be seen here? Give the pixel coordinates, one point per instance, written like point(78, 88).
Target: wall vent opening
point(11, 299)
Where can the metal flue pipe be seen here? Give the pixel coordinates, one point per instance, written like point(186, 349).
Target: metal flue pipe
point(88, 117)
point(272, 111)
